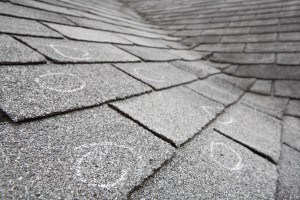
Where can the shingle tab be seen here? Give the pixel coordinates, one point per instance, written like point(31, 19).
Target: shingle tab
point(79, 33)
point(25, 27)
point(21, 11)
point(291, 132)
point(217, 89)
point(90, 154)
point(158, 75)
point(212, 167)
point(201, 69)
point(254, 129)
point(244, 58)
point(176, 114)
point(287, 88)
point(268, 104)
point(149, 54)
point(76, 52)
point(289, 173)
point(14, 52)
point(46, 89)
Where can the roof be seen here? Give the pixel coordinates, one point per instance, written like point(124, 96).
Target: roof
point(149, 99)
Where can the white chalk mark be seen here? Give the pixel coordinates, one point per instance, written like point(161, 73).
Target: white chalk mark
point(108, 147)
point(239, 165)
point(58, 49)
point(81, 86)
point(208, 109)
point(141, 73)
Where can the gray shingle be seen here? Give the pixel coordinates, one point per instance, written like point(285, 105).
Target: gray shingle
point(273, 47)
point(291, 132)
point(269, 71)
point(149, 54)
point(242, 83)
point(79, 33)
point(45, 6)
point(244, 58)
point(287, 88)
point(221, 47)
point(268, 104)
point(25, 27)
point(76, 52)
point(254, 129)
point(226, 31)
point(262, 87)
point(274, 29)
point(34, 91)
point(14, 52)
point(144, 41)
point(288, 58)
point(212, 167)
point(95, 153)
point(254, 23)
point(217, 89)
point(201, 69)
point(293, 108)
point(289, 173)
point(21, 11)
point(158, 75)
point(176, 114)
point(249, 38)
point(292, 36)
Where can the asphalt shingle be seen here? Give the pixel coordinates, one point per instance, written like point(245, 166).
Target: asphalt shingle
point(76, 52)
point(289, 173)
point(254, 129)
point(34, 91)
point(212, 167)
point(291, 132)
point(217, 89)
point(176, 114)
point(90, 154)
point(79, 33)
point(25, 27)
point(262, 87)
point(287, 88)
point(14, 52)
point(268, 104)
point(149, 54)
point(293, 108)
point(201, 69)
point(158, 75)
point(21, 11)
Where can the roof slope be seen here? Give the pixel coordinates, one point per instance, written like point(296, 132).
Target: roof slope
point(149, 99)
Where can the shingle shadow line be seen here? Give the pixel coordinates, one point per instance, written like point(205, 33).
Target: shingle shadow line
point(160, 136)
point(269, 158)
point(78, 109)
point(154, 172)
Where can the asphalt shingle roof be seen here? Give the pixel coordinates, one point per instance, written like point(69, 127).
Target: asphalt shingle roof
point(143, 99)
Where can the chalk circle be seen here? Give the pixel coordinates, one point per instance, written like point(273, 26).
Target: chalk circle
point(70, 52)
point(210, 110)
point(106, 165)
point(214, 146)
point(61, 82)
point(149, 75)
